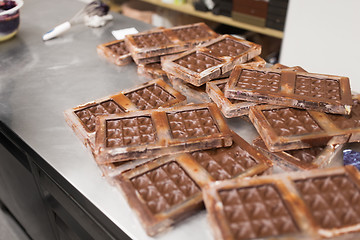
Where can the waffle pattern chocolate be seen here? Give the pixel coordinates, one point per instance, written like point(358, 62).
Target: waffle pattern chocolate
point(152, 45)
point(152, 71)
point(300, 159)
point(159, 132)
point(164, 190)
point(211, 60)
point(153, 94)
point(284, 128)
point(115, 52)
point(302, 205)
point(161, 193)
point(284, 87)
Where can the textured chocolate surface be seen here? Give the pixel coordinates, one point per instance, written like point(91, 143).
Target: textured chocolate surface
point(192, 123)
point(227, 47)
point(332, 200)
point(150, 97)
point(197, 62)
point(164, 187)
point(307, 155)
point(291, 88)
point(291, 121)
point(87, 115)
point(225, 163)
point(155, 39)
point(191, 33)
point(259, 80)
point(317, 88)
point(256, 212)
point(130, 131)
point(118, 48)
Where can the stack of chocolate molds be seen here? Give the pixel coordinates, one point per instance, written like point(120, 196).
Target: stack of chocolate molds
point(211, 60)
point(153, 94)
point(158, 132)
point(150, 46)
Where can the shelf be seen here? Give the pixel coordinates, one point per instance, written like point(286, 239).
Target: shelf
point(187, 8)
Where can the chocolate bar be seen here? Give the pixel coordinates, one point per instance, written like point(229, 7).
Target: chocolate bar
point(115, 52)
point(161, 193)
point(153, 94)
point(152, 71)
point(314, 204)
point(311, 91)
point(157, 132)
point(167, 41)
point(284, 128)
point(167, 189)
point(300, 159)
point(212, 59)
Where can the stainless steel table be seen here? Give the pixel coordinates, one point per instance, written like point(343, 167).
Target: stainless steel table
point(39, 80)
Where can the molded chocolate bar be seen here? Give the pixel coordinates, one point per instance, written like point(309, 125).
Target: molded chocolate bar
point(158, 132)
point(161, 192)
point(152, 70)
point(312, 204)
point(153, 94)
point(167, 189)
point(211, 60)
point(300, 159)
point(284, 128)
point(115, 52)
point(167, 41)
point(304, 90)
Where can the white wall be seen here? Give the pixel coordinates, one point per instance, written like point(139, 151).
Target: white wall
point(323, 36)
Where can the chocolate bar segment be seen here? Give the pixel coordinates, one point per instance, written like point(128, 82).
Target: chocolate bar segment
point(300, 159)
point(157, 132)
point(256, 212)
point(330, 198)
point(167, 41)
point(161, 193)
point(284, 128)
point(314, 204)
point(210, 60)
point(153, 94)
point(303, 90)
point(238, 160)
point(115, 52)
